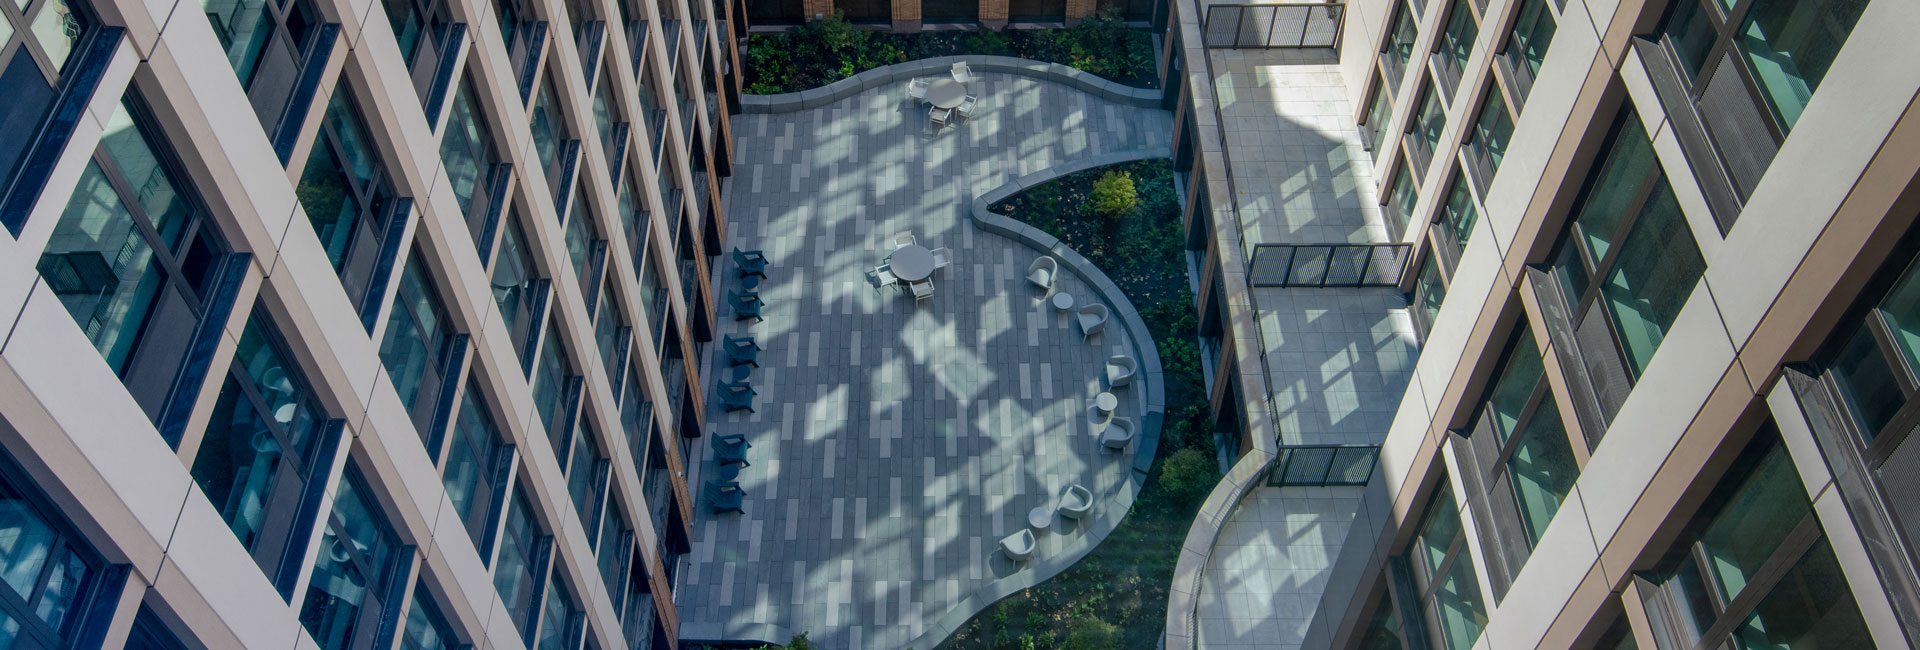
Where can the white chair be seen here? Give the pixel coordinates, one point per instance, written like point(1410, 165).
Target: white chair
point(939, 116)
point(1119, 432)
point(961, 73)
point(1041, 272)
point(923, 289)
point(917, 89)
point(884, 276)
point(1120, 370)
point(1018, 546)
point(966, 107)
point(942, 257)
point(1093, 319)
point(1075, 502)
point(902, 238)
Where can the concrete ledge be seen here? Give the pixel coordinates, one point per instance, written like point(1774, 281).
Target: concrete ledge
point(884, 75)
point(1183, 596)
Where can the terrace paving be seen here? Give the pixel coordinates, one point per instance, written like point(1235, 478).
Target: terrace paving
point(894, 444)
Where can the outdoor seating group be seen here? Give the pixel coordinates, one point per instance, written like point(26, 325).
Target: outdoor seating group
point(746, 302)
point(1075, 502)
point(946, 97)
point(912, 265)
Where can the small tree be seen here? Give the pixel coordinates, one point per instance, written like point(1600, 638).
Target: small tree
point(1089, 633)
point(1114, 195)
point(1186, 474)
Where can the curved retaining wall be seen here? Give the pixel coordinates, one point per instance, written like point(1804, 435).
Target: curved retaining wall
point(1151, 376)
point(900, 72)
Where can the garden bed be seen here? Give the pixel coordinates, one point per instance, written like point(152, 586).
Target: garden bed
point(830, 49)
point(1116, 596)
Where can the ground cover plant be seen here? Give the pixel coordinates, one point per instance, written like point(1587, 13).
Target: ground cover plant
point(1116, 597)
point(830, 49)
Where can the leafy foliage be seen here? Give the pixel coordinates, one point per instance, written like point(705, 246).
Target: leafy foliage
point(1089, 633)
point(830, 49)
point(1188, 474)
point(1113, 195)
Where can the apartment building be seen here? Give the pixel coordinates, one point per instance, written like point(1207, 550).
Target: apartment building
point(354, 324)
point(1661, 262)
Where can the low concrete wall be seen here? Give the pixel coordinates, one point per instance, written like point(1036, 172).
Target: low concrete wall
point(899, 73)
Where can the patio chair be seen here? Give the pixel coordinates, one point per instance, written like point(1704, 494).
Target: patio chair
point(903, 238)
point(962, 73)
point(1042, 272)
point(726, 497)
point(738, 386)
point(883, 277)
point(917, 89)
point(1018, 546)
point(1093, 319)
point(1120, 370)
point(750, 262)
point(939, 116)
point(737, 400)
point(742, 351)
point(731, 449)
point(1075, 502)
point(745, 305)
point(966, 107)
point(1119, 432)
point(923, 290)
point(942, 257)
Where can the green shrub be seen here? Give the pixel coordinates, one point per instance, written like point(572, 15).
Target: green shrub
point(835, 32)
point(1113, 195)
point(1089, 633)
point(1188, 474)
point(989, 41)
point(1181, 358)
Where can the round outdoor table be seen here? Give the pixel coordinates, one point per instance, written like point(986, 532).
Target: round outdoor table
point(742, 372)
point(911, 263)
point(750, 283)
point(1063, 301)
point(1041, 517)
point(1107, 402)
point(946, 93)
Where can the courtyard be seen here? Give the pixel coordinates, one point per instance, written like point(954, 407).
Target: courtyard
point(895, 441)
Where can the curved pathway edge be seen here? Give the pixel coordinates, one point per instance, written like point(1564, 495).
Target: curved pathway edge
point(888, 74)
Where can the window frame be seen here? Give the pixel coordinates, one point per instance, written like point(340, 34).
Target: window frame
point(1462, 17)
point(439, 371)
point(1515, 71)
point(382, 209)
point(67, 544)
point(383, 581)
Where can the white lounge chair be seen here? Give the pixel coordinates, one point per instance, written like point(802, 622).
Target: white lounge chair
point(1119, 432)
point(942, 257)
point(1093, 319)
point(917, 89)
point(1120, 370)
point(1075, 502)
point(1018, 546)
point(1042, 271)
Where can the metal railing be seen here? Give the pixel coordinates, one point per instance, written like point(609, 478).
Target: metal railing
point(1274, 25)
point(1323, 465)
point(1327, 265)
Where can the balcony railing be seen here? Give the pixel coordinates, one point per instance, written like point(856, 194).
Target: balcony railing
point(1327, 265)
point(1322, 465)
point(1274, 25)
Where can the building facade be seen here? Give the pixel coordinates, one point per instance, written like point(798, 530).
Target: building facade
point(399, 337)
point(1660, 259)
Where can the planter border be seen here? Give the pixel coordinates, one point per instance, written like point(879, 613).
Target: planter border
point(887, 75)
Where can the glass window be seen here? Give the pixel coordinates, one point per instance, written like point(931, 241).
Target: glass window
point(634, 218)
point(616, 545)
point(517, 284)
point(1429, 290)
point(1399, 47)
point(636, 412)
point(35, 44)
point(515, 571)
point(560, 619)
point(586, 478)
point(517, 21)
point(1790, 44)
point(1527, 45)
point(603, 113)
point(418, 342)
point(1424, 130)
point(549, 387)
point(582, 237)
point(1403, 195)
point(1455, 45)
point(133, 257)
point(1443, 575)
point(550, 132)
point(610, 330)
point(1453, 222)
point(257, 455)
point(1487, 142)
point(466, 150)
point(351, 575)
point(49, 573)
point(1757, 515)
point(426, 629)
point(346, 196)
point(266, 42)
point(1379, 112)
point(150, 633)
point(474, 456)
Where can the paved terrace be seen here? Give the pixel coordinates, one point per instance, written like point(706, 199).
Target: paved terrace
point(1338, 359)
point(894, 443)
